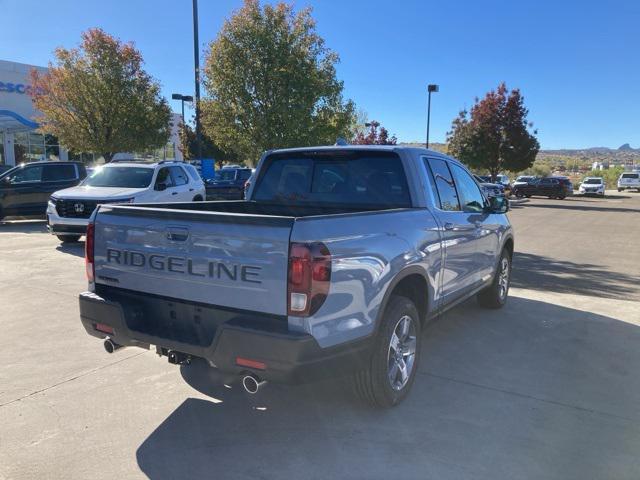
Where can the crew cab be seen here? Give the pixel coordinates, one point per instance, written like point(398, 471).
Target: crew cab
point(228, 184)
point(69, 210)
point(333, 265)
point(25, 189)
point(628, 181)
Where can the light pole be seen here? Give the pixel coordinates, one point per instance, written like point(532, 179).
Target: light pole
point(430, 88)
point(196, 57)
point(182, 98)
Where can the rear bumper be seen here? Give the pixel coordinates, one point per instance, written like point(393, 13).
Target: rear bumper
point(290, 357)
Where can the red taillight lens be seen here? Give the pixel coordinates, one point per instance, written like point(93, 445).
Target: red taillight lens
point(88, 252)
point(247, 362)
point(309, 278)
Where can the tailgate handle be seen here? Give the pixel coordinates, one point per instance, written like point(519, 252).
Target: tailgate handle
point(177, 234)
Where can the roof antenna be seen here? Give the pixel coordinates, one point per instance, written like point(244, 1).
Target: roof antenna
point(341, 142)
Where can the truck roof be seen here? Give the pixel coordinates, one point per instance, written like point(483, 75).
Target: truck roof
point(383, 148)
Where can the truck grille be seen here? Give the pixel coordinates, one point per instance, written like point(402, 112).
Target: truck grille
point(76, 208)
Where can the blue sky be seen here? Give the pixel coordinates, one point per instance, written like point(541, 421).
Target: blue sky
point(576, 62)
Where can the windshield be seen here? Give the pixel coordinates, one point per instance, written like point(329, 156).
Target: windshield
point(363, 179)
point(123, 177)
point(593, 181)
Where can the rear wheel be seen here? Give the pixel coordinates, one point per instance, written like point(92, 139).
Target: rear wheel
point(391, 371)
point(519, 195)
point(68, 238)
point(495, 295)
point(528, 196)
point(197, 198)
point(561, 197)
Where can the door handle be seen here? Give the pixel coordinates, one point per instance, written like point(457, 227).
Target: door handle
point(174, 193)
point(191, 189)
point(448, 226)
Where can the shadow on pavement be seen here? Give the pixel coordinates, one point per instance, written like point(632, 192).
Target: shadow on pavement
point(531, 391)
point(73, 248)
point(23, 226)
point(585, 208)
point(543, 273)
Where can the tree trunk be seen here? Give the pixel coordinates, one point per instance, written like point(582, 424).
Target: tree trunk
point(108, 157)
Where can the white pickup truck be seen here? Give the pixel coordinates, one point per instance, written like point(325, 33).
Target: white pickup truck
point(332, 266)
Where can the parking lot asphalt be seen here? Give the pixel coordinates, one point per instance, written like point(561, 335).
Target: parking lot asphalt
point(548, 387)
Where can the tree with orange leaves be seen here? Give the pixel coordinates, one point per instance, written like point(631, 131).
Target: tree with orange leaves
point(97, 98)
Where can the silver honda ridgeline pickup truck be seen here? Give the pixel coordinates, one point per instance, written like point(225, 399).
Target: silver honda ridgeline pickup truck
point(333, 265)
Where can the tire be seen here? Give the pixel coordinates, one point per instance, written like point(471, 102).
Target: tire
point(68, 238)
point(197, 198)
point(619, 190)
point(528, 196)
point(496, 294)
point(374, 385)
point(561, 197)
point(519, 195)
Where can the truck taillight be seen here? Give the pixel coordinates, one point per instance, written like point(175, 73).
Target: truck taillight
point(309, 278)
point(88, 252)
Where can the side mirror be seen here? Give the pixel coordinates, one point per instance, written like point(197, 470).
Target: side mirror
point(498, 205)
point(160, 187)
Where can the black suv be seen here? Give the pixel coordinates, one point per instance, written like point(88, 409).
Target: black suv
point(552, 187)
point(228, 184)
point(25, 189)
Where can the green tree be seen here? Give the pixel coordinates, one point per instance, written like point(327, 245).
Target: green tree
point(97, 98)
point(271, 83)
point(495, 134)
point(188, 146)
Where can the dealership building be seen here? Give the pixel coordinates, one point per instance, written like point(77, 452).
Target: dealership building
point(21, 142)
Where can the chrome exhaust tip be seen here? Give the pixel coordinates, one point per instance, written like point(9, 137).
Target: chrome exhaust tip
point(252, 384)
point(110, 346)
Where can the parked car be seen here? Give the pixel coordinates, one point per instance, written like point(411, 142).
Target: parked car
point(69, 210)
point(333, 265)
point(523, 180)
point(628, 181)
point(500, 179)
point(25, 189)
point(592, 186)
point(228, 184)
point(552, 187)
point(490, 189)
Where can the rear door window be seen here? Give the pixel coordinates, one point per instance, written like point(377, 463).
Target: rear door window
point(59, 172)
point(179, 176)
point(441, 179)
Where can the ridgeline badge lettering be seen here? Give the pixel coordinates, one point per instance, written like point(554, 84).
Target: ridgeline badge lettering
point(186, 266)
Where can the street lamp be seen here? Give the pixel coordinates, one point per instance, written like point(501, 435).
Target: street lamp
point(182, 98)
point(430, 88)
point(196, 58)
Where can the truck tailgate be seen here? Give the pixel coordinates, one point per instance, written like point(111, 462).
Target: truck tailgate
point(225, 259)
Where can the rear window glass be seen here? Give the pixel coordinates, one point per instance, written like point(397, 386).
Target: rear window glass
point(630, 175)
point(374, 179)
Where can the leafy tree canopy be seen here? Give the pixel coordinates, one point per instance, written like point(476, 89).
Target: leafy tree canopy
point(271, 83)
point(188, 146)
point(495, 134)
point(97, 98)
